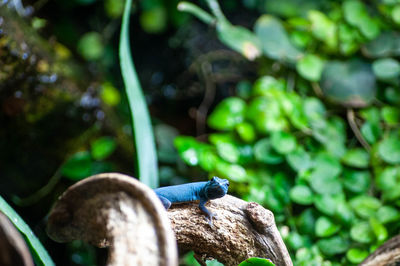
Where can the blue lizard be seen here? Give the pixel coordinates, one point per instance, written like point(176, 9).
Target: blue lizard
point(201, 191)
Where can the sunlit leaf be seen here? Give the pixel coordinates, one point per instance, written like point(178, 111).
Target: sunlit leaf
point(227, 114)
point(356, 256)
point(103, 147)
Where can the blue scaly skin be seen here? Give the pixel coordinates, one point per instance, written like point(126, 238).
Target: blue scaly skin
point(201, 191)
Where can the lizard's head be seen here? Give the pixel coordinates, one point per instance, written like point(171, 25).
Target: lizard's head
point(216, 188)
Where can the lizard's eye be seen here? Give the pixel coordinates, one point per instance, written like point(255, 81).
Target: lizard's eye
point(213, 179)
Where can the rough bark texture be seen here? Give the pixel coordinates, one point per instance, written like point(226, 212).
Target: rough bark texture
point(386, 255)
point(116, 211)
point(242, 230)
point(13, 250)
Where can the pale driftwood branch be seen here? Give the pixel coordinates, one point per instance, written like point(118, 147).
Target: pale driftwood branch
point(386, 255)
point(116, 211)
point(242, 230)
point(13, 250)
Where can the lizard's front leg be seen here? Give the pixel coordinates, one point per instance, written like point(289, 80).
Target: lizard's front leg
point(209, 214)
point(165, 202)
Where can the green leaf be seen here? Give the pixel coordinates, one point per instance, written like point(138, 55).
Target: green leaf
point(154, 20)
point(90, 46)
point(357, 181)
point(396, 14)
point(256, 262)
point(391, 115)
point(365, 206)
point(306, 221)
point(324, 177)
point(78, 166)
point(344, 213)
point(109, 94)
point(239, 39)
point(274, 39)
point(356, 256)
point(103, 147)
point(246, 131)
point(34, 243)
point(387, 214)
point(388, 181)
point(362, 232)
point(386, 68)
point(267, 85)
point(327, 204)
point(283, 142)
point(234, 172)
point(334, 245)
point(146, 154)
point(301, 194)
point(325, 227)
point(266, 115)
point(228, 151)
point(371, 131)
point(389, 149)
point(314, 109)
point(379, 229)
point(356, 15)
point(263, 152)
point(386, 44)
point(323, 28)
point(350, 83)
point(392, 95)
point(227, 114)
point(299, 159)
point(310, 67)
point(357, 158)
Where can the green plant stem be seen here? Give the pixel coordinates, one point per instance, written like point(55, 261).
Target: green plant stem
point(146, 155)
point(216, 10)
point(197, 12)
point(356, 131)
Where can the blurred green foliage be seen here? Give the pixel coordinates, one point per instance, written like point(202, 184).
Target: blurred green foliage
point(329, 173)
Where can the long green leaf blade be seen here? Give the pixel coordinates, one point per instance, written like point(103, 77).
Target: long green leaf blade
point(37, 247)
point(146, 155)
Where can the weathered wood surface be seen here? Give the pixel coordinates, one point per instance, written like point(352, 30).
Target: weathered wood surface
point(386, 255)
point(120, 212)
